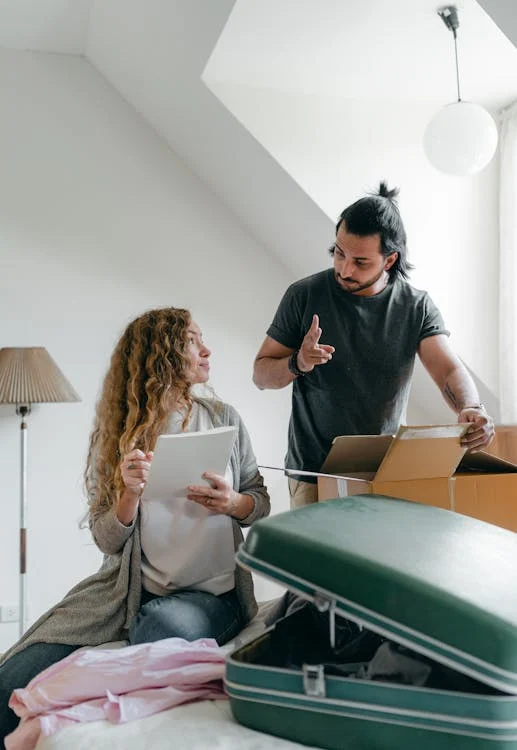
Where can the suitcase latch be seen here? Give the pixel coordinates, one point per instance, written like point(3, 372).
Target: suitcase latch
point(314, 680)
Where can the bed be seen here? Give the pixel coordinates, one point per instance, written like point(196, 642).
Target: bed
point(197, 726)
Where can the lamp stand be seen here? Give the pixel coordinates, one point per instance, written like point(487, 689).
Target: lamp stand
point(23, 411)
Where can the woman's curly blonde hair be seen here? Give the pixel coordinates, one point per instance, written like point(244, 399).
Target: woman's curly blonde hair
point(148, 374)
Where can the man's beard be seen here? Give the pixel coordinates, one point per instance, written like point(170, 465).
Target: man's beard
point(355, 286)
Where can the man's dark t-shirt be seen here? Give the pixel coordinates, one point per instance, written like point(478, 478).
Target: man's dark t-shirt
point(364, 388)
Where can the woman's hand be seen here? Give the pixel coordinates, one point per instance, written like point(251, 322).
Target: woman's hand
point(220, 497)
point(134, 469)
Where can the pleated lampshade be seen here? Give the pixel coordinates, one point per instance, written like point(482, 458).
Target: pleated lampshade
point(29, 375)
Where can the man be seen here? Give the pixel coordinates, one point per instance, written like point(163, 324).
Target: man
point(373, 323)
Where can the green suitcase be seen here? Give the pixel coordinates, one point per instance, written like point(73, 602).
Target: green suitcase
point(436, 584)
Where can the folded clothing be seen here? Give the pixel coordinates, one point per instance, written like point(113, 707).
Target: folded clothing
point(117, 685)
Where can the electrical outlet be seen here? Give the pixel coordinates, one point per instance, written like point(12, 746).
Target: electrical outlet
point(9, 613)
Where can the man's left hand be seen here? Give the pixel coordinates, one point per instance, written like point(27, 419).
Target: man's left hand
point(481, 431)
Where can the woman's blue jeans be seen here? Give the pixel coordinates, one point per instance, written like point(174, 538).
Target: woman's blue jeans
point(189, 615)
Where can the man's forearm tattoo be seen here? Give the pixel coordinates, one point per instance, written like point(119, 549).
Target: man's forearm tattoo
point(450, 395)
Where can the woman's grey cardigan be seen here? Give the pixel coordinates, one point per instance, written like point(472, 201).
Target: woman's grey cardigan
point(100, 608)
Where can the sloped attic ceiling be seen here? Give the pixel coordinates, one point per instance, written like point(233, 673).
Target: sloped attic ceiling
point(156, 52)
point(375, 50)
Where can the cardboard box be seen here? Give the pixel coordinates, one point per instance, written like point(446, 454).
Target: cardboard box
point(425, 464)
point(504, 444)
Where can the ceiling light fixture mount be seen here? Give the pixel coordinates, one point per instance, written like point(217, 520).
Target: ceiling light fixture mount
point(461, 138)
point(449, 15)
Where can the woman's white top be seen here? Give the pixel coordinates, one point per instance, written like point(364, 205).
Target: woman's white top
point(184, 544)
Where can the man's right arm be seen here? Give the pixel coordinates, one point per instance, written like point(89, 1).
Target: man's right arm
point(270, 369)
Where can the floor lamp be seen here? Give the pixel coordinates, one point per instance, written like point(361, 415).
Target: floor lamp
point(29, 375)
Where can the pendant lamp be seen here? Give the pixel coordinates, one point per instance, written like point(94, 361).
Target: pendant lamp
point(461, 138)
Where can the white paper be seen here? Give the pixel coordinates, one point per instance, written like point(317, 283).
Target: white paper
point(180, 460)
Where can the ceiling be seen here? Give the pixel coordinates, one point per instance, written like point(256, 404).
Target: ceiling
point(155, 52)
point(374, 49)
point(45, 25)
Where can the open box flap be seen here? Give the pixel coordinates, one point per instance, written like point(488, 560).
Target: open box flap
point(351, 454)
point(358, 476)
point(423, 452)
point(486, 463)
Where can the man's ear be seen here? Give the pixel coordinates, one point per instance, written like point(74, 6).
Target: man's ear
point(390, 260)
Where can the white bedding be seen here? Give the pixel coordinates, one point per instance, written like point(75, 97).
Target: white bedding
point(205, 725)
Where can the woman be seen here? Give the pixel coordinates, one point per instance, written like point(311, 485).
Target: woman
point(147, 391)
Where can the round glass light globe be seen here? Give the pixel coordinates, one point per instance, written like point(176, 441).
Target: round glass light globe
point(461, 139)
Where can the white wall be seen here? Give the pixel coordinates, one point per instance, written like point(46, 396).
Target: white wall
point(100, 221)
point(337, 149)
point(154, 52)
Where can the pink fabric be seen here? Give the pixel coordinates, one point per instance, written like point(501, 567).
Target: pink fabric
point(117, 685)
